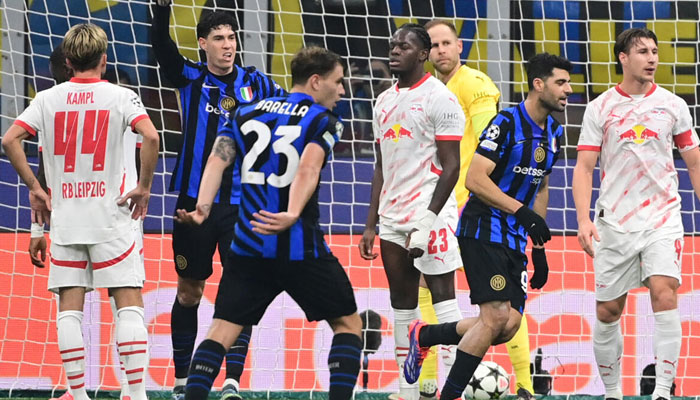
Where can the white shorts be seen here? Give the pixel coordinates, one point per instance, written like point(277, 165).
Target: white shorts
point(113, 264)
point(443, 249)
point(624, 260)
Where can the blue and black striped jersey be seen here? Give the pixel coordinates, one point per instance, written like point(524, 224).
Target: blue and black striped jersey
point(205, 101)
point(270, 137)
point(524, 154)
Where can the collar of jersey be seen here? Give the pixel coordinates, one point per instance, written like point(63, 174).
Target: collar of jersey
point(623, 93)
point(86, 80)
point(415, 85)
point(535, 128)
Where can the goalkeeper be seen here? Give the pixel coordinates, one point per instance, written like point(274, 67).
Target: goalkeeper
point(478, 97)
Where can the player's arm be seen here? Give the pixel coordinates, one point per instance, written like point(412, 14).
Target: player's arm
point(164, 48)
point(222, 155)
point(140, 195)
point(302, 188)
point(39, 200)
point(582, 188)
point(37, 241)
point(692, 161)
point(539, 258)
point(366, 244)
point(480, 184)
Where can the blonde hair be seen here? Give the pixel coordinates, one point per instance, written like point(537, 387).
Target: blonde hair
point(84, 46)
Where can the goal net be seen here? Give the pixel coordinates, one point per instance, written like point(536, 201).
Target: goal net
point(287, 352)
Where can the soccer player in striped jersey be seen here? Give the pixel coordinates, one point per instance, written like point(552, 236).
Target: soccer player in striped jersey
point(508, 180)
point(208, 93)
point(280, 144)
point(478, 97)
point(81, 124)
point(418, 124)
point(638, 230)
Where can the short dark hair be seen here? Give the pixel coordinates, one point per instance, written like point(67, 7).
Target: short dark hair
point(213, 19)
point(420, 32)
point(313, 60)
point(445, 22)
point(629, 37)
point(58, 67)
point(542, 66)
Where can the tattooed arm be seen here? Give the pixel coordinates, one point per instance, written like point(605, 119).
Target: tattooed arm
point(222, 155)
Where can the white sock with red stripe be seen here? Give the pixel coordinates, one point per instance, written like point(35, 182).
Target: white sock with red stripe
point(132, 342)
point(402, 318)
point(72, 349)
point(448, 311)
point(122, 376)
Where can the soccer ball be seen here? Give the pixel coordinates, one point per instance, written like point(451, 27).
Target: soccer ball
point(490, 381)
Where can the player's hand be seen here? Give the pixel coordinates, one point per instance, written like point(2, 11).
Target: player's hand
point(196, 217)
point(37, 251)
point(139, 202)
point(163, 3)
point(366, 244)
point(267, 223)
point(40, 202)
point(535, 225)
point(539, 261)
point(418, 237)
point(586, 230)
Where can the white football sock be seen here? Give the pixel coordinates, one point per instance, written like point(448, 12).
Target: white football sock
point(667, 349)
point(72, 348)
point(402, 318)
point(121, 375)
point(132, 342)
point(607, 347)
point(448, 311)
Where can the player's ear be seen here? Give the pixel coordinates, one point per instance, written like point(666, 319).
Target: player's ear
point(314, 81)
point(202, 43)
point(538, 85)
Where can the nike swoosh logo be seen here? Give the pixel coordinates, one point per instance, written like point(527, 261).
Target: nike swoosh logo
point(204, 85)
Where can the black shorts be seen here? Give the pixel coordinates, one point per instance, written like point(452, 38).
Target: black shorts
point(249, 284)
point(194, 246)
point(494, 272)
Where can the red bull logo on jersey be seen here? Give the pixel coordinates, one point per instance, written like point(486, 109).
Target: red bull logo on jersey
point(638, 134)
point(396, 132)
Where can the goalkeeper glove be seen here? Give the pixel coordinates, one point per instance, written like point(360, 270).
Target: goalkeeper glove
point(539, 261)
point(535, 225)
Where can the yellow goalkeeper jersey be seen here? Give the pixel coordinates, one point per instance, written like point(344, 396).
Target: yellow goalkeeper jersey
point(477, 94)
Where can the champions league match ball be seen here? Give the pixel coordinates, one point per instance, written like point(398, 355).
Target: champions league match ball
point(490, 381)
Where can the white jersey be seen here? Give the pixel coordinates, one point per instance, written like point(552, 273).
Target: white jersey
point(407, 123)
point(635, 137)
point(81, 126)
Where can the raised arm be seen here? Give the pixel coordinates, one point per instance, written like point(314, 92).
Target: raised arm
point(165, 49)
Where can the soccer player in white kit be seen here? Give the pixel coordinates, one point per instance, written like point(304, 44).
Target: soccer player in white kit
point(80, 124)
point(636, 237)
point(418, 124)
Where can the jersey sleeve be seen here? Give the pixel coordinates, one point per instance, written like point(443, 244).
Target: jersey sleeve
point(267, 87)
point(684, 135)
point(32, 117)
point(329, 132)
point(134, 111)
point(447, 116)
point(493, 139)
point(591, 137)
